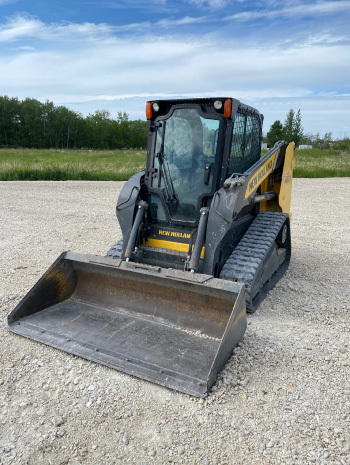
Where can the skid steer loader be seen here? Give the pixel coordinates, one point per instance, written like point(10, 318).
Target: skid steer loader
point(205, 235)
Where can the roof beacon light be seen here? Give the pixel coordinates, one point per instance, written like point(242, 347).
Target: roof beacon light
point(148, 110)
point(218, 104)
point(155, 106)
point(227, 107)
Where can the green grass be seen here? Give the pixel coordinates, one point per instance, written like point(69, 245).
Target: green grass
point(317, 163)
point(62, 165)
point(119, 165)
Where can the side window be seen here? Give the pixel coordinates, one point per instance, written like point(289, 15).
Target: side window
point(252, 142)
point(245, 146)
point(210, 136)
point(237, 145)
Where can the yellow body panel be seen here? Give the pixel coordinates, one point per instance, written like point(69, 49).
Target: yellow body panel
point(285, 194)
point(283, 188)
point(170, 245)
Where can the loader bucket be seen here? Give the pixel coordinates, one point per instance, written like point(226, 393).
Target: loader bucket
point(170, 327)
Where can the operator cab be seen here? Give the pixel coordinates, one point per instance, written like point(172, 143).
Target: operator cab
point(194, 146)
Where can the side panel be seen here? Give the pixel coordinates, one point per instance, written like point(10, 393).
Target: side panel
point(285, 195)
point(281, 185)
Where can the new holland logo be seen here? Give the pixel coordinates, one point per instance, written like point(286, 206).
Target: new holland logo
point(264, 171)
point(173, 234)
point(254, 182)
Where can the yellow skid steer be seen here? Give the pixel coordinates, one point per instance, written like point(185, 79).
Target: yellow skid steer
point(205, 235)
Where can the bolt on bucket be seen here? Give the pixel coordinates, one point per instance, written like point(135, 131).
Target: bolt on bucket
point(170, 327)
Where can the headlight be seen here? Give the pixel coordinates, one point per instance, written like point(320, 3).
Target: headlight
point(155, 106)
point(218, 104)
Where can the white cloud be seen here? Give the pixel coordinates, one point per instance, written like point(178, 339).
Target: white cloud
point(161, 24)
point(25, 47)
point(209, 3)
point(166, 64)
point(86, 62)
point(181, 21)
point(29, 27)
point(299, 10)
point(19, 27)
point(26, 27)
point(326, 38)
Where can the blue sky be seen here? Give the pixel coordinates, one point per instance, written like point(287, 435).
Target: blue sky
point(114, 55)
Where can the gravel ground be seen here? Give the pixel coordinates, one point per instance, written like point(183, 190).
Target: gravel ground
point(283, 398)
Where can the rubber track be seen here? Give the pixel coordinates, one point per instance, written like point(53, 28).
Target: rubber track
point(245, 260)
point(116, 250)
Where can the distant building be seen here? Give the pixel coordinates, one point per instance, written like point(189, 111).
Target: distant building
point(263, 146)
point(301, 147)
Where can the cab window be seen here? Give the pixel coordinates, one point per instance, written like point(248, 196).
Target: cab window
point(245, 144)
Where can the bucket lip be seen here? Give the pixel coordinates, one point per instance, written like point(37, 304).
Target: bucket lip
point(228, 289)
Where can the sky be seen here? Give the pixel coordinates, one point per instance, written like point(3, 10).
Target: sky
point(115, 55)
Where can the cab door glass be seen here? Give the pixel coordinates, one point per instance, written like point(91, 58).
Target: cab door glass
point(186, 147)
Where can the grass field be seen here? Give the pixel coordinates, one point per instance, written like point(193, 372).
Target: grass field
point(63, 165)
point(317, 163)
point(119, 165)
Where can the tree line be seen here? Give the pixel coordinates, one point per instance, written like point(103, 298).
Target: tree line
point(292, 131)
point(34, 124)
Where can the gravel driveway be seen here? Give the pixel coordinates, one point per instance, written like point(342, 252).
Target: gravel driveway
point(283, 398)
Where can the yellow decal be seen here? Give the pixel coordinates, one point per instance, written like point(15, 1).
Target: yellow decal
point(179, 246)
point(262, 174)
point(161, 232)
